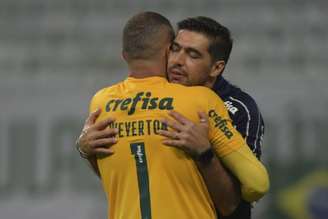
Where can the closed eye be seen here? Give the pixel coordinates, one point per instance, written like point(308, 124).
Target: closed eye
point(175, 47)
point(193, 53)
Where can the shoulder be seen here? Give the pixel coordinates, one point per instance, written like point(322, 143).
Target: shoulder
point(205, 93)
point(241, 103)
point(198, 92)
point(102, 95)
point(245, 115)
point(106, 91)
point(236, 100)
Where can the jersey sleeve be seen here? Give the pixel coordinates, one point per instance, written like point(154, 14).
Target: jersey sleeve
point(223, 136)
point(234, 153)
point(252, 175)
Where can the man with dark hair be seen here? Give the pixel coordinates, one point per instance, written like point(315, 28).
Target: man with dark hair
point(153, 180)
point(198, 56)
point(220, 38)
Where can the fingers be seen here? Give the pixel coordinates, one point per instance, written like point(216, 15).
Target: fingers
point(103, 124)
point(92, 117)
point(173, 143)
point(174, 139)
point(203, 118)
point(104, 151)
point(173, 124)
point(96, 139)
point(102, 147)
point(104, 142)
point(179, 117)
point(92, 141)
point(168, 134)
point(90, 121)
point(107, 133)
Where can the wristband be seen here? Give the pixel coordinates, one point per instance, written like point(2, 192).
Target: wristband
point(206, 156)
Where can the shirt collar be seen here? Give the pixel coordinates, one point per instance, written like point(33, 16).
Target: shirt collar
point(221, 86)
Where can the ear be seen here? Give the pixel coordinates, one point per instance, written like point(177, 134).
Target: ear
point(124, 56)
point(217, 68)
point(168, 48)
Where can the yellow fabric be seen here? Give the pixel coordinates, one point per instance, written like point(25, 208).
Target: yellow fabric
point(243, 164)
point(175, 186)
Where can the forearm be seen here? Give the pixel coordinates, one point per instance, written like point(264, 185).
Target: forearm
point(92, 160)
point(243, 211)
point(223, 188)
point(96, 139)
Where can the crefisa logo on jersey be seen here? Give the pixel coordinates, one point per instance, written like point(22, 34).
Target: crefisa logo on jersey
point(144, 98)
point(220, 123)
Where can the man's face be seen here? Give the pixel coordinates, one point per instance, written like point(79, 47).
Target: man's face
point(189, 61)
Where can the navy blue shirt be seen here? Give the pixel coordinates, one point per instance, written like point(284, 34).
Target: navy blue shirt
point(247, 119)
point(245, 115)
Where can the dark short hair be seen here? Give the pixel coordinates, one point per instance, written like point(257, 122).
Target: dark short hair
point(143, 33)
point(220, 41)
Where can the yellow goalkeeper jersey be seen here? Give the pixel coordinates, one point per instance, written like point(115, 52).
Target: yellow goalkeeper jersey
point(145, 179)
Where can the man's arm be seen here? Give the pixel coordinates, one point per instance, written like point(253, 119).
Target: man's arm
point(96, 139)
point(248, 121)
point(253, 179)
point(223, 188)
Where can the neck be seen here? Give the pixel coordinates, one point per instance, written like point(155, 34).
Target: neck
point(210, 83)
point(144, 69)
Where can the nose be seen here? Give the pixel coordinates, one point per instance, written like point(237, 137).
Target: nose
point(177, 58)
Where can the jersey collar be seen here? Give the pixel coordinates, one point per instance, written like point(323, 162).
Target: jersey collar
point(146, 80)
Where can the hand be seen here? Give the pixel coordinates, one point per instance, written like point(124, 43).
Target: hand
point(186, 135)
point(97, 139)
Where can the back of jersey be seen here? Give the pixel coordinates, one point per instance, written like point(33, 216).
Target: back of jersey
point(144, 178)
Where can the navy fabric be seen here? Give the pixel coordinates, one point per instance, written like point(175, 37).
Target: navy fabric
point(244, 113)
point(248, 120)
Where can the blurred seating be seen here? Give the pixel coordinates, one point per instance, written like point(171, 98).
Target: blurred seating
point(79, 36)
